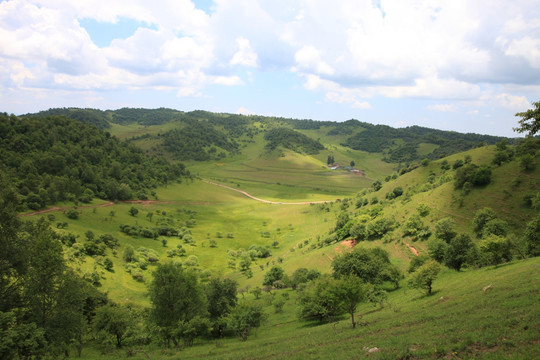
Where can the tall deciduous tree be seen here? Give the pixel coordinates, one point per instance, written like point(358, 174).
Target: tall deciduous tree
point(245, 317)
point(115, 321)
point(352, 291)
point(222, 298)
point(424, 276)
point(176, 296)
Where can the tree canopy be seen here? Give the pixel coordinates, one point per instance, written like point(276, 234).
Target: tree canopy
point(530, 120)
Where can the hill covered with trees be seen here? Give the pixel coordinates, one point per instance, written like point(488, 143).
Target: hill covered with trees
point(201, 135)
point(408, 264)
point(53, 159)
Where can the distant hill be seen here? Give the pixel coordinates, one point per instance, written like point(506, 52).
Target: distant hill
point(202, 135)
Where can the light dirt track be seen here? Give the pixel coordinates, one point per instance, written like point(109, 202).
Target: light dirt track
point(150, 202)
point(265, 201)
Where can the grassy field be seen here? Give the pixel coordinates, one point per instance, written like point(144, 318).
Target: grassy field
point(458, 321)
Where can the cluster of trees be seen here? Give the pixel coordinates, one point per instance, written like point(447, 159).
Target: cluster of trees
point(45, 308)
point(95, 117)
point(364, 227)
point(198, 140)
point(292, 140)
point(57, 159)
point(357, 276)
point(400, 145)
point(493, 246)
point(184, 309)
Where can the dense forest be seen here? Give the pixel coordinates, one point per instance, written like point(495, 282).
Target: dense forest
point(292, 140)
point(56, 159)
point(198, 141)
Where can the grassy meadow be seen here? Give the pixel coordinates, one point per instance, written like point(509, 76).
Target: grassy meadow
point(458, 321)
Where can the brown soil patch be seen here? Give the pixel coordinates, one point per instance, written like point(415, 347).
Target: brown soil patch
point(412, 248)
point(345, 244)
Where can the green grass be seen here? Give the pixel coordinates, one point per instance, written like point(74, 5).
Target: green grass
point(458, 321)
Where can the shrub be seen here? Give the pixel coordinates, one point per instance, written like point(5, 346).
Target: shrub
point(72, 214)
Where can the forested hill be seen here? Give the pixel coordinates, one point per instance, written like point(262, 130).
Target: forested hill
point(202, 135)
point(54, 158)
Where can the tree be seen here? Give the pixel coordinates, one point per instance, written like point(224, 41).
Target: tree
point(437, 249)
point(530, 120)
point(133, 211)
point(532, 237)
point(445, 229)
point(19, 340)
point(352, 291)
point(527, 162)
point(495, 227)
point(320, 299)
point(175, 295)
point(43, 277)
point(302, 276)
point(458, 251)
point(129, 254)
point(278, 303)
point(424, 276)
point(114, 320)
point(415, 228)
point(196, 327)
point(276, 273)
point(495, 250)
point(370, 265)
point(256, 291)
point(481, 218)
point(222, 297)
point(330, 160)
point(416, 262)
point(244, 318)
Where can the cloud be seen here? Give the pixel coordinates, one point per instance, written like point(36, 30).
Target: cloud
point(244, 55)
point(512, 102)
point(345, 52)
point(441, 107)
point(308, 59)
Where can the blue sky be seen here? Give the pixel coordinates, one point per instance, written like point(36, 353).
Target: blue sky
point(460, 65)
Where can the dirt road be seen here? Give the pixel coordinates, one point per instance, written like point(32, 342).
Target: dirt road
point(262, 200)
point(151, 202)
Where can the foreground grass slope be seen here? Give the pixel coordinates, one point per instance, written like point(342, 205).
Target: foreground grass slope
point(458, 321)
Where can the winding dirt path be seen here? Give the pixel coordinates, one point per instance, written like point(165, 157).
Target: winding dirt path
point(262, 200)
point(151, 202)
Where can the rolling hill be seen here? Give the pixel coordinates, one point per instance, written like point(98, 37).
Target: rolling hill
point(412, 188)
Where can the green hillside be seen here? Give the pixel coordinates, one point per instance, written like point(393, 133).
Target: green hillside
point(266, 196)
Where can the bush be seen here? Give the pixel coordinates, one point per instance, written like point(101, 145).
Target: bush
point(72, 214)
point(477, 176)
point(494, 250)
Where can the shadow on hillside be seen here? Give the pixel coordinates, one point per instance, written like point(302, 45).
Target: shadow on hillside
point(314, 323)
point(426, 296)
